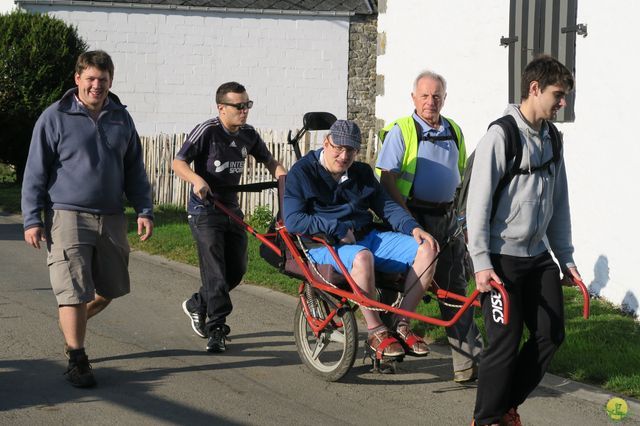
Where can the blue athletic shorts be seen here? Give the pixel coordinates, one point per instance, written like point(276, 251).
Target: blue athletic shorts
point(393, 252)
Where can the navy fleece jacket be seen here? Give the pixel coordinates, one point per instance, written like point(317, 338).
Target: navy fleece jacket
point(78, 164)
point(314, 203)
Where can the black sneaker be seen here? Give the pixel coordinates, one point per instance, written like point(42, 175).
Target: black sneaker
point(217, 339)
point(197, 320)
point(79, 373)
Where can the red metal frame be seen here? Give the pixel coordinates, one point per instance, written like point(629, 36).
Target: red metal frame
point(356, 295)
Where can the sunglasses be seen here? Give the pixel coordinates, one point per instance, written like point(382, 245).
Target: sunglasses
point(240, 106)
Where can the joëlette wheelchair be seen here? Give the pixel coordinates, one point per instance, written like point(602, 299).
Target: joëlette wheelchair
point(325, 328)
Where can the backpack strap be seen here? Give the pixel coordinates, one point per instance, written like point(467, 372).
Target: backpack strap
point(556, 141)
point(453, 132)
point(556, 147)
point(513, 149)
point(431, 138)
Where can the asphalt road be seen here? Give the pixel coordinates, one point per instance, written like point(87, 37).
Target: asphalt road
point(152, 369)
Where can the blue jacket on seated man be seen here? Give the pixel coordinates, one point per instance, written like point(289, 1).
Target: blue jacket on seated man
point(328, 192)
point(315, 203)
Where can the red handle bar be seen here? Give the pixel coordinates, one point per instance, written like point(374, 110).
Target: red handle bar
point(585, 296)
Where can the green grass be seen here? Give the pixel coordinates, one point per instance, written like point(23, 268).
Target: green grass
point(172, 239)
point(602, 350)
point(171, 235)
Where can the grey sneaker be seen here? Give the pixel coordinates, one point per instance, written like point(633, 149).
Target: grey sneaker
point(79, 373)
point(465, 376)
point(218, 338)
point(197, 320)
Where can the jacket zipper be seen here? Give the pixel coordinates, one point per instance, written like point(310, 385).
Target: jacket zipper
point(541, 198)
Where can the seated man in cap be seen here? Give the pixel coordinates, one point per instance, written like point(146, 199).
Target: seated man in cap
point(328, 192)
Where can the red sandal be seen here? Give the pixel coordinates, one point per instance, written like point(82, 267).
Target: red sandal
point(384, 344)
point(413, 344)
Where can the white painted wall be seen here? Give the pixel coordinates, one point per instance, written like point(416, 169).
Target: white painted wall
point(460, 39)
point(6, 6)
point(169, 64)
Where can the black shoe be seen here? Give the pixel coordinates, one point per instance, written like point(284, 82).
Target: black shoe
point(197, 320)
point(79, 373)
point(217, 338)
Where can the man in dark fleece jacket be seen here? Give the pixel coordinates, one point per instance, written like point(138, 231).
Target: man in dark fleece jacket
point(84, 154)
point(328, 193)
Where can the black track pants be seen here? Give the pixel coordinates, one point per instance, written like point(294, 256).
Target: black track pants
point(222, 253)
point(507, 376)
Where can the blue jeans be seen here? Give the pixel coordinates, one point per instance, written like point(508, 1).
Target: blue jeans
point(222, 253)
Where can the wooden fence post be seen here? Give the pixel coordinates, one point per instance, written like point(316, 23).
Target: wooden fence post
point(160, 150)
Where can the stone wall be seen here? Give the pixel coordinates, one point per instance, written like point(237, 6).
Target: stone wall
point(361, 92)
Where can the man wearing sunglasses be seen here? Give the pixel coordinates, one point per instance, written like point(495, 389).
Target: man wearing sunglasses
point(328, 192)
point(218, 149)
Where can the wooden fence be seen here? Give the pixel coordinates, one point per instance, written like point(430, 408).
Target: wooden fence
point(160, 150)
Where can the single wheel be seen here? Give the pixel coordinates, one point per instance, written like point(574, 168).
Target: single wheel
point(333, 352)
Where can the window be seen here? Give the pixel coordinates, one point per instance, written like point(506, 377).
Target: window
point(542, 26)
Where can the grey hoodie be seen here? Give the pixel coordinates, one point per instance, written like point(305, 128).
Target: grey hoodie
point(530, 208)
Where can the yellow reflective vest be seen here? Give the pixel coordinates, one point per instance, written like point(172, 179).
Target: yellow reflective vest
point(408, 127)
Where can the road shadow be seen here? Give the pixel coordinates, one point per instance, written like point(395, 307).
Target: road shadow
point(34, 383)
point(11, 232)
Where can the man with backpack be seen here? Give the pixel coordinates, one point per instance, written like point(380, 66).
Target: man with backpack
point(517, 198)
point(420, 164)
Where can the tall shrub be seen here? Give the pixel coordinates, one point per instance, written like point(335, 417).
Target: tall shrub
point(37, 60)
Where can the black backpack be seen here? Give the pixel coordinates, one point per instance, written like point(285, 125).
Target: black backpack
point(513, 150)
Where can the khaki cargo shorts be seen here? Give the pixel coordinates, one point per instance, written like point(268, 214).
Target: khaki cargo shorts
point(87, 254)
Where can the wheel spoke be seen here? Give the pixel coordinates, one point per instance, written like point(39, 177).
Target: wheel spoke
point(321, 345)
point(337, 336)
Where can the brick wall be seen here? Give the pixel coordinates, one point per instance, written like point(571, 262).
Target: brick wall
point(169, 63)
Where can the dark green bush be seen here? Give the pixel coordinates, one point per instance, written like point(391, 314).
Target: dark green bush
point(7, 173)
point(37, 60)
point(260, 218)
